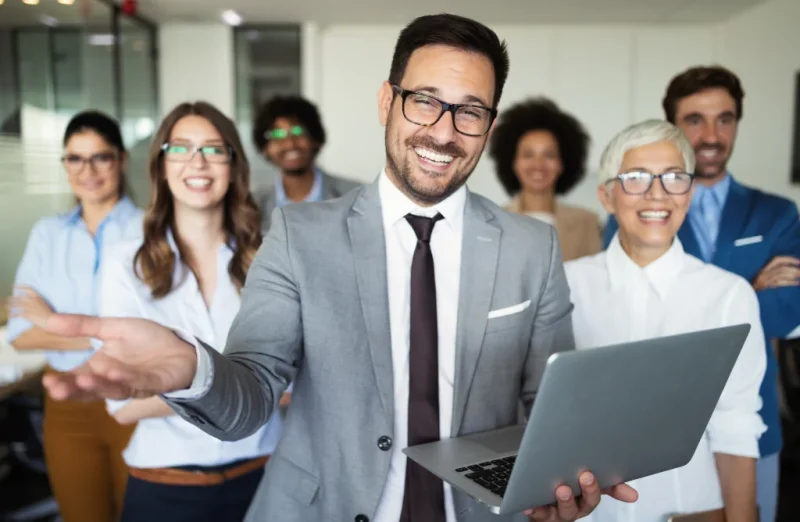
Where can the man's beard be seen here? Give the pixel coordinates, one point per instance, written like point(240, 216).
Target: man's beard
point(299, 171)
point(401, 167)
point(719, 166)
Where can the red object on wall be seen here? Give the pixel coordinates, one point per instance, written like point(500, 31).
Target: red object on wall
point(129, 7)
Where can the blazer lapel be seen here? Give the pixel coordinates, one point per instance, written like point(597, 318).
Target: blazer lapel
point(732, 222)
point(479, 255)
point(365, 225)
point(689, 240)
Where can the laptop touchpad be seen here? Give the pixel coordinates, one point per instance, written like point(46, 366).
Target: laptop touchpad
point(504, 441)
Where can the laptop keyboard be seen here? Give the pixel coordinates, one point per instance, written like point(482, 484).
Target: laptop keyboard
point(492, 475)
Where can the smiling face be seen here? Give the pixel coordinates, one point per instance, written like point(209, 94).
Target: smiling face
point(708, 119)
point(430, 163)
point(290, 147)
point(201, 181)
point(649, 221)
point(94, 168)
point(537, 163)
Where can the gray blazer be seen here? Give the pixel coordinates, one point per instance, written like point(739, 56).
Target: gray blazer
point(315, 311)
point(332, 187)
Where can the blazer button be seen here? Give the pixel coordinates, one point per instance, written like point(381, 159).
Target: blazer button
point(385, 444)
point(362, 518)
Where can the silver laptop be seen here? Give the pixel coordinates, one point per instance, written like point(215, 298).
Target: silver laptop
point(623, 412)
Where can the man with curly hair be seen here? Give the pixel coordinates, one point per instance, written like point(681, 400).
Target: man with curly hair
point(289, 133)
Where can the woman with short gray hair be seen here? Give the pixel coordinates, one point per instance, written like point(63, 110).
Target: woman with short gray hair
point(644, 286)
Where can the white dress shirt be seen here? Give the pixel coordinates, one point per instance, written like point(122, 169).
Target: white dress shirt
point(618, 301)
point(401, 241)
point(172, 441)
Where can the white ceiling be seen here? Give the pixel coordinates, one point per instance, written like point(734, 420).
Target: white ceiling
point(402, 11)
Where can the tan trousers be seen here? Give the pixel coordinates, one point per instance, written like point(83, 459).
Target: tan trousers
point(83, 450)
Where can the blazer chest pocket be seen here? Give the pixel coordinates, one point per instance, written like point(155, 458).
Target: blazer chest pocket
point(507, 317)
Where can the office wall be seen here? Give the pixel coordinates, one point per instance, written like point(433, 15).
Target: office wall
point(608, 76)
point(763, 47)
point(196, 63)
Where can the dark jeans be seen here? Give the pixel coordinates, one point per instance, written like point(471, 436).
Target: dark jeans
point(227, 502)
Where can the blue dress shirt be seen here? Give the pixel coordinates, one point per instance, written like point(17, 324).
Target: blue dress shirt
point(61, 263)
point(705, 213)
point(314, 195)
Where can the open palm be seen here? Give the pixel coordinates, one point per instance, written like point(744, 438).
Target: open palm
point(139, 358)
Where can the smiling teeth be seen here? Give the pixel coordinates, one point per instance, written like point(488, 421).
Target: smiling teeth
point(432, 156)
point(198, 182)
point(654, 214)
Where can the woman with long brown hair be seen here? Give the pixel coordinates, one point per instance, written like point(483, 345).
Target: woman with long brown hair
point(59, 272)
point(201, 233)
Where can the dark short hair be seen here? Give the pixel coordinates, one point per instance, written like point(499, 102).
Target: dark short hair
point(107, 128)
point(539, 114)
point(696, 79)
point(292, 107)
point(97, 122)
point(452, 31)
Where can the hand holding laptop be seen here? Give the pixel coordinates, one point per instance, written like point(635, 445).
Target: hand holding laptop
point(569, 508)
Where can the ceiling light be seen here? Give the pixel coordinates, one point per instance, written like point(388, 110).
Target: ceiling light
point(30, 2)
point(66, 2)
point(230, 17)
point(48, 20)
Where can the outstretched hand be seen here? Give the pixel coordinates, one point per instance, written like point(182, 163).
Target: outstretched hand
point(569, 508)
point(138, 359)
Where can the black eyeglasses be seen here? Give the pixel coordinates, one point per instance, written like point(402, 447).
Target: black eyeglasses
point(184, 152)
point(101, 162)
point(637, 183)
point(425, 110)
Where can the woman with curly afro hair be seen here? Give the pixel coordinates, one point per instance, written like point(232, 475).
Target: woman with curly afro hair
point(540, 153)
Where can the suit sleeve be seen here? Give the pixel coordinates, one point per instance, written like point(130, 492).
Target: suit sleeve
point(552, 327)
point(780, 307)
point(263, 352)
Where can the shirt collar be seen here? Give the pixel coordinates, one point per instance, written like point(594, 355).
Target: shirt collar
point(718, 191)
point(315, 194)
point(395, 205)
point(121, 213)
point(661, 274)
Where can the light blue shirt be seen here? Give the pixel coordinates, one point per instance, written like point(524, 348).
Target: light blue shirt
point(705, 213)
point(314, 195)
point(61, 263)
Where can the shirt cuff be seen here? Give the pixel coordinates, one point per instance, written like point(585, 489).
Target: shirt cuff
point(736, 434)
point(203, 377)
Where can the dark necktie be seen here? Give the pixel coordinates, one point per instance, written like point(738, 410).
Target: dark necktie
point(424, 497)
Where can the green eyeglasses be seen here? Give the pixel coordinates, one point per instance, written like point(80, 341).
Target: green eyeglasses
point(184, 152)
point(282, 134)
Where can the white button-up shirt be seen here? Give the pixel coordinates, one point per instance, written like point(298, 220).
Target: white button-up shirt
point(401, 241)
point(617, 301)
point(172, 441)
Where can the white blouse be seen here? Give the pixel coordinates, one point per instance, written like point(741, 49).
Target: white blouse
point(618, 301)
point(171, 441)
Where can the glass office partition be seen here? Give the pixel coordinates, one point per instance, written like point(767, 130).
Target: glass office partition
point(267, 63)
point(139, 115)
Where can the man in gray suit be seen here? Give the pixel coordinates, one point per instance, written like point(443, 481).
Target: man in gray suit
point(385, 348)
point(289, 133)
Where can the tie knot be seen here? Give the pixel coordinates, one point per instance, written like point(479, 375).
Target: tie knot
point(423, 226)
